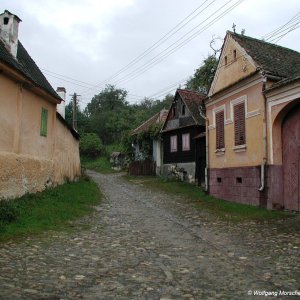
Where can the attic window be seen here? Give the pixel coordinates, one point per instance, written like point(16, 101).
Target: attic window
point(5, 20)
point(225, 60)
point(183, 110)
point(234, 54)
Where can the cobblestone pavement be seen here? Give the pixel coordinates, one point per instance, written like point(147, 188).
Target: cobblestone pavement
point(143, 244)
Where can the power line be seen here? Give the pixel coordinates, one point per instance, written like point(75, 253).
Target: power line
point(163, 39)
point(155, 60)
point(274, 32)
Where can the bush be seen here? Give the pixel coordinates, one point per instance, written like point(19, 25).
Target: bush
point(8, 212)
point(91, 145)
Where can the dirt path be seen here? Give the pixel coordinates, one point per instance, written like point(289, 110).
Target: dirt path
point(143, 244)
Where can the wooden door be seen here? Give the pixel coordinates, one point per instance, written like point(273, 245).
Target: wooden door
point(291, 159)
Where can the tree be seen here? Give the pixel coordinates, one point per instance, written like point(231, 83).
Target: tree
point(81, 117)
point(90, 145)
point(203, 76)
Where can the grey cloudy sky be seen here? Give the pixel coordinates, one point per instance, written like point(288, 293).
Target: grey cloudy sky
point(92, 40)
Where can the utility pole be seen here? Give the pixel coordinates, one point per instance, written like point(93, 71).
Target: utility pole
point(74, 99)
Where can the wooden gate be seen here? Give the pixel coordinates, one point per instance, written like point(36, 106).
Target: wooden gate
point(291, 159)
point(145, 167)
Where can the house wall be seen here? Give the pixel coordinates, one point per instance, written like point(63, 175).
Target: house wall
point(66, 155)
point(27, 158)
point(237, 67)
point(180, 156)
point(232, 156)
point(234, 172)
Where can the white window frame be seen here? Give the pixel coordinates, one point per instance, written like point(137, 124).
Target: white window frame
point(173, 143)
point(186, 142)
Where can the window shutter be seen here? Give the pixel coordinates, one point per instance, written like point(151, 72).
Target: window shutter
point(44, 121)
point(220, 139)
point(239, 124)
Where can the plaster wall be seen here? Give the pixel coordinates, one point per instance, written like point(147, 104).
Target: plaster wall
point(66, 155)
point(30, 162)
point(9, 113)
point(233, 66)
point(231, 156)
point(21, 174)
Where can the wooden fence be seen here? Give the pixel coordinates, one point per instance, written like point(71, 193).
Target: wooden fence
point(145, 167)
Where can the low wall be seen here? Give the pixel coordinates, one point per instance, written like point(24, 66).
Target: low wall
point(21, 174)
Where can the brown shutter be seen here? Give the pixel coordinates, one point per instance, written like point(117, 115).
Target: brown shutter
point(220, 141)
point(239, 124)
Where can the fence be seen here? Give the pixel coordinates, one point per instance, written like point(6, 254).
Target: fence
point(145, 167)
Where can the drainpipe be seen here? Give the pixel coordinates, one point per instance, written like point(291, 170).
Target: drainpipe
point(264, 162)
point(206, 148)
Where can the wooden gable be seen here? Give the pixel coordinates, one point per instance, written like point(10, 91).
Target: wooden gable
point(234, 65)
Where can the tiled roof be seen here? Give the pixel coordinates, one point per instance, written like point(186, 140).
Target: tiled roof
point(193, 101)
point(158, 117)
point(25, 65)
point(271, 58)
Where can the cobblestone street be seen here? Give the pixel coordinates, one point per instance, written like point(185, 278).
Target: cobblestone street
point(143, 244)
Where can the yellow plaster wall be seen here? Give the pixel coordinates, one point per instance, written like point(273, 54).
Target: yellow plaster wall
point(66, 155)
point(235, 69)
point(31, 142)
point(30, 162)
point(21, 174)
point(8, 113)
point(253, 155)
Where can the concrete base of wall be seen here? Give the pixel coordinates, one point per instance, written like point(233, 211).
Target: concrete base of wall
point(188, 168)
point(22, 174)
point(236, 184)
point(242, 184)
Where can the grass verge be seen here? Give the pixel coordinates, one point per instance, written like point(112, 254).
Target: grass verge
point(226, 210)
point(52, 209)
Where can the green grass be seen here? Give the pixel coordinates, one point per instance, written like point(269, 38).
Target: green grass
point(52, 209)
point(100, 164)
point(226, 210)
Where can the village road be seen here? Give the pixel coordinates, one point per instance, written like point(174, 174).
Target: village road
point(144, 244)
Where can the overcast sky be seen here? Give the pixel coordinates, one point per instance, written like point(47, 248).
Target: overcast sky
point(93, 41)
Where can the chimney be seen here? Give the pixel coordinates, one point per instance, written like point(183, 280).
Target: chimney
point(61, 91)
point(9, 27)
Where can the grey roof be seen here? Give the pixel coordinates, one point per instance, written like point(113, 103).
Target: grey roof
point(25, 65)
point(273, 59)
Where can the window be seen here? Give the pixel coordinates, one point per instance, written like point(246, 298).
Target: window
point(239, 124)
point(225, 60)
point(234, 54)
point(44, 121)
point(5, 21)
point(186, 142)
point(173, 143)
point(220, 139)
point(183, 110)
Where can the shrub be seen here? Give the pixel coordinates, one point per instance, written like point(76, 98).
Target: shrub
point(90, 145)
point(8, 212)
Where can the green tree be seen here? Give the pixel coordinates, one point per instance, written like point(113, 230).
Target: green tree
point(90, 145)
point(82, 119)
point(203, 76)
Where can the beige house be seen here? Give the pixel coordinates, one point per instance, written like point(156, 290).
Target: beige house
point(253, 132)
point(37, 147)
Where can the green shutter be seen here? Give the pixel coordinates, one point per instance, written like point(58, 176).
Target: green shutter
point(44, 120)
